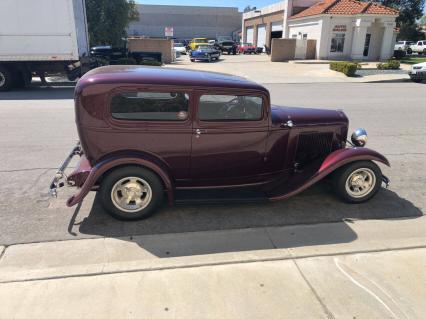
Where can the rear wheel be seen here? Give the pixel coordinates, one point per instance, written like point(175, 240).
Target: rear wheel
point(131, 193)
point(409, 51)
point(357, 182)
point(6, 79)
point(192, 60)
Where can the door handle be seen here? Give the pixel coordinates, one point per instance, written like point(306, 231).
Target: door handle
point(198, 132)
point(288, 124)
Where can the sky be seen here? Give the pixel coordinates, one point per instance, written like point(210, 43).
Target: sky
point(241, 4)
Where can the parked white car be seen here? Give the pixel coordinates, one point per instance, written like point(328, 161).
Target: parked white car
point(179, 47)
point(402, 45)
point(419, 47)
point(418, 72)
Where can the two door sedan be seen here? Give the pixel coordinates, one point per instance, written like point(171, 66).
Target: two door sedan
point(205, 138)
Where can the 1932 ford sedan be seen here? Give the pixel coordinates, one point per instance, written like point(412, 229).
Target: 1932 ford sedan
point(148, 132)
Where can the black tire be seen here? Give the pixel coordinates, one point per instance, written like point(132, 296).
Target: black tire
point(417, 80)
point(409, 51)
point(7, 80)
point(23, 79)
point(152, 180)
point(192, 60)
point(341, 176)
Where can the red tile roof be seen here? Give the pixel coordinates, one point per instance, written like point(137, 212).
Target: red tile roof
point(345, 7)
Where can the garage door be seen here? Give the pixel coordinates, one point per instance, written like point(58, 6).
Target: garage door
point(261, 36)
point(249, 37)
point(277, 26)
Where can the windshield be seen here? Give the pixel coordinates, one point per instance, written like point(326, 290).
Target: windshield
point(178, 45)
point(248, 44)
point(203, 47)
point(224, 38)
point(201, 40)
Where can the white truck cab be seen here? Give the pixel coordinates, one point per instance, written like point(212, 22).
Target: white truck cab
point(419, 47)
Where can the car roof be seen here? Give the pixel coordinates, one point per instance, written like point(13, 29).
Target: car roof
point(151, 75)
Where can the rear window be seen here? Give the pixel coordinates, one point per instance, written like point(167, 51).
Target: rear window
point(153, 106)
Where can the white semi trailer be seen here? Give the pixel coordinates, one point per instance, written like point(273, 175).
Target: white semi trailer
point(40, 38)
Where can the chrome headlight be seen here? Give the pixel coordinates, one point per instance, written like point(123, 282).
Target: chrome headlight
point(359, 137)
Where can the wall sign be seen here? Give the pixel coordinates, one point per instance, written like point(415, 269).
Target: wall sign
point(339, 28)
point(168, 31)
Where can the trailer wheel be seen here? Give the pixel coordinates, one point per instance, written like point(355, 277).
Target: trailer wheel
point(6, 79)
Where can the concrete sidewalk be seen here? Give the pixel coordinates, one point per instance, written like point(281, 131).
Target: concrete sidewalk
point(353, 269)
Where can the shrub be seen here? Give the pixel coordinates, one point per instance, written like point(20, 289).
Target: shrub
point(126, 61)
point(150, 62)
point(392, 64)
point(347, 68)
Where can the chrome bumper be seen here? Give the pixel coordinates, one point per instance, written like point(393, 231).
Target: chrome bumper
point(60, 179)
point(386, 181)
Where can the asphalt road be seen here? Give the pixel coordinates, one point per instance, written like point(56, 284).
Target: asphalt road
point(37, 131)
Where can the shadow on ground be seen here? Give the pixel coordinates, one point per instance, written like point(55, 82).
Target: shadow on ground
point(312, 207)
point(57, 92)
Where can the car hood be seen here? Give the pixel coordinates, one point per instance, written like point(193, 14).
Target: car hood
point(306, 116)
point(423, 64)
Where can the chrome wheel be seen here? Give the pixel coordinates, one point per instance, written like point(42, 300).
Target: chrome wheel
point(131, 194)
point(360, 182)
point(2, 79)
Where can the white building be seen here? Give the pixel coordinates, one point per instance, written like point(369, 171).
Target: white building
point(343, 29)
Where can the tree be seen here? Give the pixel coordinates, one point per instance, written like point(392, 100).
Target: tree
point(108, 19)
point(409, 12)
point(249, 8)
point(422, 21)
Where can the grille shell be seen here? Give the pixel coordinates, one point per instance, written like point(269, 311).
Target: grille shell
point(313, 146)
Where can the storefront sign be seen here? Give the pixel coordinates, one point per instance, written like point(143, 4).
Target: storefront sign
point(339, 28)
point(168, 31)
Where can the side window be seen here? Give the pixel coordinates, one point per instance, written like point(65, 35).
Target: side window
point(154, 106)
point(230, 108)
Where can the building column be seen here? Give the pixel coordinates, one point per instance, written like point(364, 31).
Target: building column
point(287, 13)
point(386, 51)
point(358, 41)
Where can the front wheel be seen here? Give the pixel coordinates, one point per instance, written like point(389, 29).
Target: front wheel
point(6, 79)
point(357, 182)
point(131, 193)
point(409, 51)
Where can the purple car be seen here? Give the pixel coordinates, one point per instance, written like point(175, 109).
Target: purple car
point(149, 133)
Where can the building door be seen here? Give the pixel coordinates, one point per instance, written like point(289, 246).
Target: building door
point(261, 36)
point(276, 31)
point(367, 44)
point(249, 35)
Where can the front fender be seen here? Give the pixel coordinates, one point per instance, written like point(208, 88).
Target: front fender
point(347, 155)
point(99, 169)
point(333, 161)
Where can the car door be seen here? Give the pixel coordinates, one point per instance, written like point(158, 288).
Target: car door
point(229, 138)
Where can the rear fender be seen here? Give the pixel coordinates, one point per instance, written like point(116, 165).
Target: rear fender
point(332, 162)
point(111, 162)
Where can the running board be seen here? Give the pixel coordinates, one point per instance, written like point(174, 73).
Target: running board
point(220, 196)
